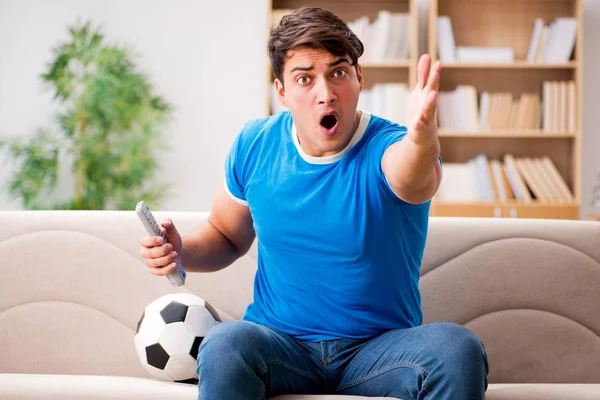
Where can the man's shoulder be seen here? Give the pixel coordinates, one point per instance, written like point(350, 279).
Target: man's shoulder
point(383, 129)
point(380, 124)
point(259, 128)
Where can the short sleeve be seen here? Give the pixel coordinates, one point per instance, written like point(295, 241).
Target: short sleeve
point(380, 144)
point(234, 171)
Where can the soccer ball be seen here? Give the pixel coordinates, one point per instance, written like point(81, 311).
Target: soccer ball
point(169, 334)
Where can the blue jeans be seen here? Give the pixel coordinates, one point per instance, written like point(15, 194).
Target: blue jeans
point(241, 360)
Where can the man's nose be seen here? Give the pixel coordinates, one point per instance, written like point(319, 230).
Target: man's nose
point(326, 95)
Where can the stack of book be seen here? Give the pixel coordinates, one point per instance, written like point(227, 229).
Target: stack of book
point(552, 111)
point(386, 38)
point(520, 179)
point(387, 100)
point(553, 42)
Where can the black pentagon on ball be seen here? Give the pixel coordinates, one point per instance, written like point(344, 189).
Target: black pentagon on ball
point(157, 356)
point(191, 381)
point(195, 347)
point(174, 312)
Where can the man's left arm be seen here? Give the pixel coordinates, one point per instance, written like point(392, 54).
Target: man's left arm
point(412, 165)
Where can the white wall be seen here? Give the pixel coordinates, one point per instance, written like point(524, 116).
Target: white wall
point(206, 57)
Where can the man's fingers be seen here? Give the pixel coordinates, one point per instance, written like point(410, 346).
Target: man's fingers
point(433, 83)
point(157, 251)
point(151, 241)
point(162, 271)
point(429, 107)
point(423, 70)
point(161, 261)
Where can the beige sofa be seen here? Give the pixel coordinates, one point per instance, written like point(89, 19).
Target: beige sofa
point(73, 287)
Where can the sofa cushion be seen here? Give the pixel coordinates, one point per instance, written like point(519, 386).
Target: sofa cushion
point(544, 391)
point(71, 387)
point(94, 387)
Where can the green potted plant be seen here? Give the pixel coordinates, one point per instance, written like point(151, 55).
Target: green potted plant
point(109, 129)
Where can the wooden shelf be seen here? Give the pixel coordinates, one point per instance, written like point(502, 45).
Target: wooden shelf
point(506, 210)
point(498, 23)
point(515, 65)
point(508, 134)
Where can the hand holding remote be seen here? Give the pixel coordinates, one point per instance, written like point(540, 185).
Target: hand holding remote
point(160, 260)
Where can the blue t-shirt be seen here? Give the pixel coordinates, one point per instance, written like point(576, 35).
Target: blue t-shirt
point(339, 254)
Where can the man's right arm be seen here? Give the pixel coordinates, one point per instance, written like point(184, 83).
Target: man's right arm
point(225, 236)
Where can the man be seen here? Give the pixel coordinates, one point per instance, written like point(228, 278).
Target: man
point(339, 202)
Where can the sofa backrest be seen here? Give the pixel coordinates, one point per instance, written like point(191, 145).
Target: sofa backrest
point(73, 288)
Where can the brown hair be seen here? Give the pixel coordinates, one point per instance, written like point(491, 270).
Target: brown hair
point(315, 28)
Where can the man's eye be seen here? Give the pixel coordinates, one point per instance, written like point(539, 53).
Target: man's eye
point(340, 73)
point(303, 80)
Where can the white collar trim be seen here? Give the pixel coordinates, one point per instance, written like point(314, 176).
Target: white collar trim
point(365, 118)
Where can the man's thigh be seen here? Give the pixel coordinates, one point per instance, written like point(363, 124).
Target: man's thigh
point(279, 361)
point(418, 363)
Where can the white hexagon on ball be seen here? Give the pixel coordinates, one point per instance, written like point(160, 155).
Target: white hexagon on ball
point(199, 320)
point(176, 339)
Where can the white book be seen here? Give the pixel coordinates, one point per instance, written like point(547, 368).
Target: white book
point(484, 109)
point(548, 42)
point(381, 35)
point(485, 54)
point(399, 37)
point(402, 49)
point(515, 179)
point(563, 40)
point(485, 191)
point(536, 35)
point(402, 101)
point(447, 45)
point(458, 183)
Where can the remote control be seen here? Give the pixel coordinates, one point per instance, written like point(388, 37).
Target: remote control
point(177, 277)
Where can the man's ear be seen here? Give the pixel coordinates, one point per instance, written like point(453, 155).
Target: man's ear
point(280, 92)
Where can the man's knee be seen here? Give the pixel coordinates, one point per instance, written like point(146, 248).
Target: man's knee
point(458, 344)
point(228, 339)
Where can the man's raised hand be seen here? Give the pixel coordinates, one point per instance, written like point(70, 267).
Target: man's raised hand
point(422, 120)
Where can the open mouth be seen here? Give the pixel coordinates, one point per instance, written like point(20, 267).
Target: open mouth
point(328, 121)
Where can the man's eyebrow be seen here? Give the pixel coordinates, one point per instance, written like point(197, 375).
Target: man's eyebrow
point(331, 64)
point(302, 68)
point(339, 61)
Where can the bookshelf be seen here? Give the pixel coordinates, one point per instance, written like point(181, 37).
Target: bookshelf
point(374, 22)
point(512, 78)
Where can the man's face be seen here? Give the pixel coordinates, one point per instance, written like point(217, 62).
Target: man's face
point(321, 90)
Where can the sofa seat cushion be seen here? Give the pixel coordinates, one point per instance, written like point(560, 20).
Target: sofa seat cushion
point(544, 391)
point(93, 387)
